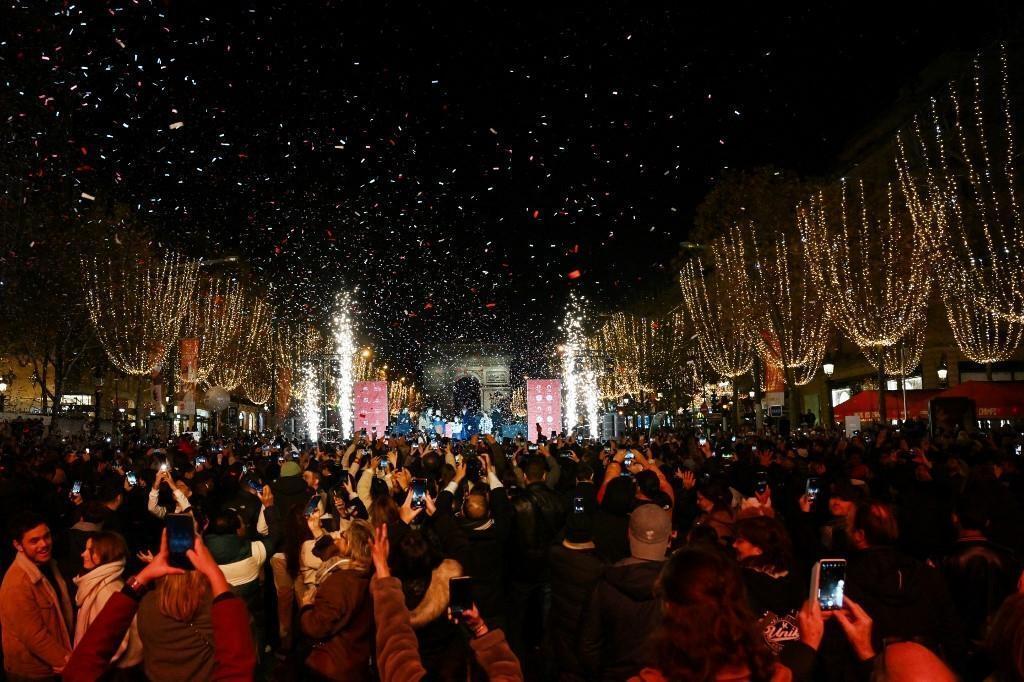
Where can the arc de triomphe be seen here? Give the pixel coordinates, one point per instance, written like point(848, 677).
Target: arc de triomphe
point(448, 364)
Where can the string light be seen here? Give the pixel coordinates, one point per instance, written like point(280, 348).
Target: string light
point(402, 395)
point(240, 340)
point(518, 403)
point(723, 341)
point(136, 304)
point(345, 351)
point(644, 354)
point(903, 357)
point(962, 193)
point(870, 267)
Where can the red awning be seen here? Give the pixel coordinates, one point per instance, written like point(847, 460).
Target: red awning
point(865, 405)
point(992, 399)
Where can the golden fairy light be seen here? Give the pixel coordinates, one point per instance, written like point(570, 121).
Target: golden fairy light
point(136, 303)
point(643, 354)
point(786, 317)
point(723, 341)
point(961, 187)
point(259, 380)
point(518, 402)
point(903, 357)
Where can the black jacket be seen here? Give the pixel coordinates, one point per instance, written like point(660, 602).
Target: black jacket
point(540, 515)
point(289, 492)
point(980, 575)
point(615, 636)
point(906, 599)
point(574, 573)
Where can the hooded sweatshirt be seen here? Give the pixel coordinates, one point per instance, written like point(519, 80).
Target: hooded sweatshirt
point(618, 621)
point(93, 590)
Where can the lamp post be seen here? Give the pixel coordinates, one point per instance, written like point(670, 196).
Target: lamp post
point(943, 372)
point(829, 368)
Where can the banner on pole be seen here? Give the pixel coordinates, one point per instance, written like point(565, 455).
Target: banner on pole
point(190, 360)
point(543, 407)
point(371, 406)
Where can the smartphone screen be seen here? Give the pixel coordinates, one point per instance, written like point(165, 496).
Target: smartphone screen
point(180, 539)
point(132, 480)
point(703, 441)
point(311, 506)
point(813, 488)
point(76, 488)
point(460, 594)
point(831, 581)
point(577, 504)
point(532, 447)
point(762, 482)
point(164, 467)
point(627, 461)
point(256, 487)
point(419, 492)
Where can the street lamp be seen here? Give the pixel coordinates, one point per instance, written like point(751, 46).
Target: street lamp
point(943, 370)
point(829, 368)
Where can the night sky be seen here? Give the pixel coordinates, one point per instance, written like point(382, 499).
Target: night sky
point(459, 166)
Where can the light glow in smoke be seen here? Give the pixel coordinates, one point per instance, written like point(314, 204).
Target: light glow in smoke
point(579, 378)
point(310, 402)
point(345, 349)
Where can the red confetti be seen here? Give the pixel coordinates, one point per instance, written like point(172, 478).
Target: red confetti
point(575, 274)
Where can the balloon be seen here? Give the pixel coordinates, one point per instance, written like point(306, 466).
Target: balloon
point(217, 399)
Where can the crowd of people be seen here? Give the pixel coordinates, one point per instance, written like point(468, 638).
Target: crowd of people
point(679, 555)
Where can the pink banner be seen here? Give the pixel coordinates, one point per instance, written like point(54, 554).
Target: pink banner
point(371, 406)
point(543, 406)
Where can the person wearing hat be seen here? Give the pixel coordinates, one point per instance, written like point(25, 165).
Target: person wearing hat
point(576, 567)
point(623, 610)
point(289, 491)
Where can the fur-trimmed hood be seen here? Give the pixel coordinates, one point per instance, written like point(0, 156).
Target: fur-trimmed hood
point(435, 601)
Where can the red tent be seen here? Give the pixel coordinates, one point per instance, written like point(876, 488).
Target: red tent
point(865, 405)
point(992, 399)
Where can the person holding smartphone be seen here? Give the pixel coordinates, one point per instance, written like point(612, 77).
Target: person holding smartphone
point(168, 494)
point(191, 625)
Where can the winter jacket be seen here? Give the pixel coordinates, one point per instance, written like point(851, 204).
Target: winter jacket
point(775, 600)
point(36, 619)
point(980, 575)
point(442, 648)
point(574, 573)
point(95, 588)
point(289, 492)
point(540, 515)
point(340, 619)
point(611, 535)
point(479, 546)
point(233, 655)
point(905, 599)
point(398, 659)
point(618, 621)
point(173, 650)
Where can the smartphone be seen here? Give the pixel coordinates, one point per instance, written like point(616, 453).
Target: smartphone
point(87, 451)
point(200, 460)
point(577, 504)
point(628, 459)
point(181, 531)
point(165, 466)
point(256, 487)
point(532, 447)
point(433, 445)
point(703, 441)
point(419, 493)
point(813, 488)
point(762, 482)
point(460, 594)
point(382, 466)
point(827, 582)
point(311, 506)
point(132, 479)
point(76, 488)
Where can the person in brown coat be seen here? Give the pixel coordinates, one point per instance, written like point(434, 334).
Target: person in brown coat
point(338, 613)
point(35, 609)
point(398, 658)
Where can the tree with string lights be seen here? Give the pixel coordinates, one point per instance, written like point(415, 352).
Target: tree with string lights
point(872, 271)
point(786, 318)
point(137, 302)
point(961, 187)
point(723, 337)
point(644, 355)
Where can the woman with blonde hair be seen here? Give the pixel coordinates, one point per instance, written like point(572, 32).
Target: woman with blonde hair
point(103, 561)
point(338, 615)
